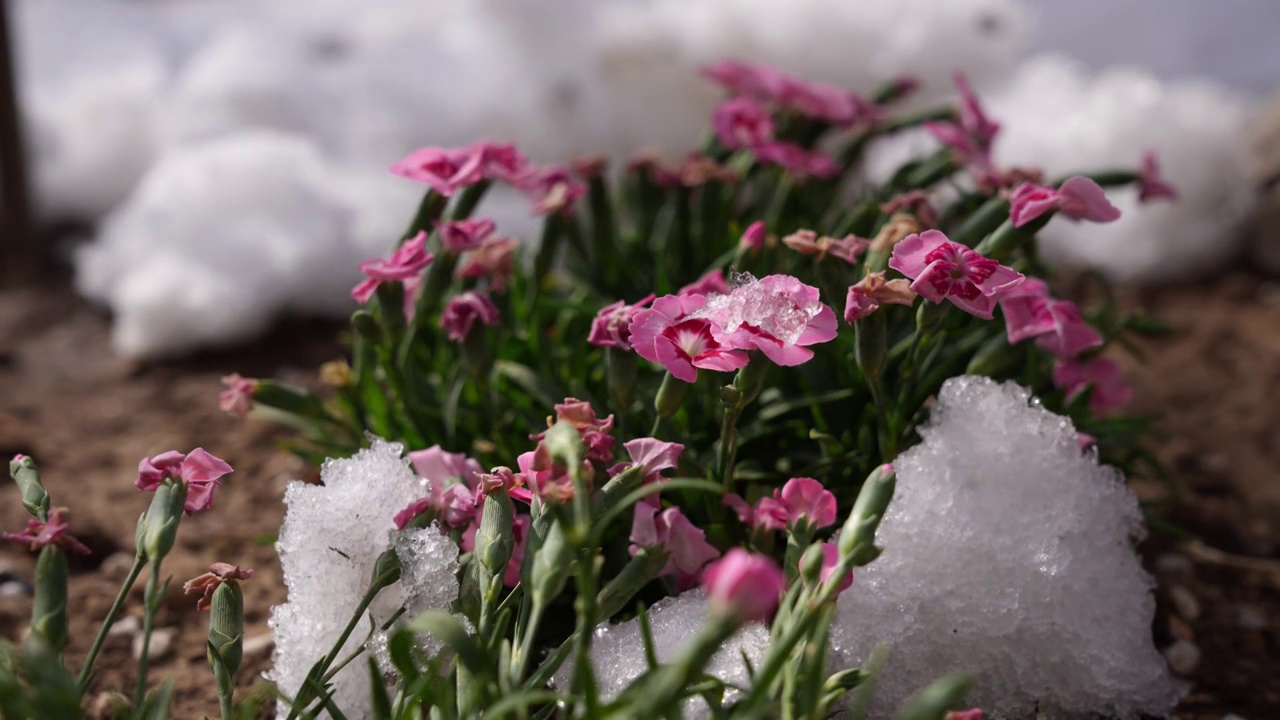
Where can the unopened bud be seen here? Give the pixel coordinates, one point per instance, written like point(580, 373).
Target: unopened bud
point(670, 396)
point(495, 539)
point(386, 570)
point(550, 565)
point(226, 630)
point(811, 564)
point(161, 520)
point(49, 606)
point(34, 497)
point(857, 538)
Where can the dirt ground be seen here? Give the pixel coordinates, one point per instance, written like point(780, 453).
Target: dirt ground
point(88, 417)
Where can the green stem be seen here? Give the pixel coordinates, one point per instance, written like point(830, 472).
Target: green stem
point(82, 683)
point(728, 445)
point(225, 707)
point(150, 600)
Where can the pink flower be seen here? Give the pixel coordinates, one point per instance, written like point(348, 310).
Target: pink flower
point(1110, 391)
point(830, 559)
point(552, 189)
point(915, 202)
point(758, 81)
point(611, 327)
point(461, 313)
point(39, 534)
point(653, 456)
point(973, 714)
point(405, 264)
point(807, 501)
point(796, 160)
point(668, 334)
point(593, 431)
point(1079, 198)
point(1150, 185)
point(445, 171)
point(744, 585)
point(767, 514)
point(237, 399)
point(493, 260)
point(686, 545)
point(1086, 440)
point(460, 235)
point(549, 480)
point(868, 293)
point(503, 162)
point(439, 466)
point(754, 236)
point(198, 469)
point(777, 315)
point(205, 584)
point(944, 269)
point(971, 137)
point(742, 122)
point(1029, 311)
point(807, 242)
point(713, 283)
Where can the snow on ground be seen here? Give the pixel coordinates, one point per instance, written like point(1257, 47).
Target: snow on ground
point(124, 98)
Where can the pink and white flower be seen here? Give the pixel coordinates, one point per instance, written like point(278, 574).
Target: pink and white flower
point(742, 122)
point(1078, 198)
point(1110, 391)
point(461, 313)
point(686, 544)
point(612, 325)
point(777, 315)
point(944, 269)
point(404, 265)
point(237, 399)
point(669, 334)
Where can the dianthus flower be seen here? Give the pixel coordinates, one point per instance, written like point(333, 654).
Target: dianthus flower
point(460, 235)
point(944, 269)
point(796, 160)
point(612, 325)
point(1110, 391)
point(493, 260)
point(669, 334)
point(594, 431)
point(1078, 198)
point(1030, 311)
point(686, 544)
point(1150, 185)
point(777, 315)
point(744, 585)
point(237, 399)
point(405, 264)
point(41, 533)
point(204, 585)
point(742, 122)
point(808, 242)
point(198, 469)
point(868, 293)
point(462, 311)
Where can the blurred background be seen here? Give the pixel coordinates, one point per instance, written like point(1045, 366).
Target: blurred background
point(199, 179)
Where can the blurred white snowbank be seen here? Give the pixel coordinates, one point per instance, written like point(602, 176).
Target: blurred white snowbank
point(123, 97)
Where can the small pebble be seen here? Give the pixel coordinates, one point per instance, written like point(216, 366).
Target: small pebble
point(1249, 617)
point(161, 644)
point(116, 567)
point(13, 588)
point(1175, 566)
point(1183, 657)
point(128, 625)
point(1184, 603)
point(1180, 629)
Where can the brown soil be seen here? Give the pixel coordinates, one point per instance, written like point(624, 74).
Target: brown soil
point(88, 417)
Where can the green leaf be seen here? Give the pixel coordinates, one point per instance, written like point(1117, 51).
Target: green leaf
point(379, 699)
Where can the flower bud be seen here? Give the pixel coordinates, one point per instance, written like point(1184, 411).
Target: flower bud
point(386, 570)
point(162, 518)
point(226, 631)
point(495, 540)
point(870, 345)
point(811, 564)
point(564, 443)
point(858, 536)
point(744, 586)
point(550, 565)
point(670, 396)
point(937, 698)
point(49, 607)
point(34, 497)
point(845, 680)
